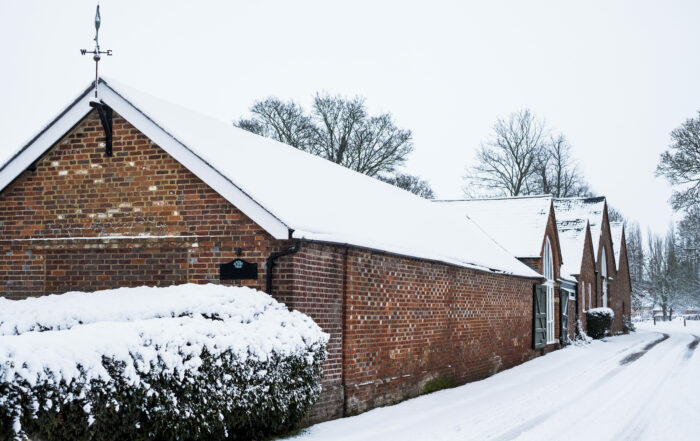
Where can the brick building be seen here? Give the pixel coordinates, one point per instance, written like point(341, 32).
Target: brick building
point(130, 190)
point(622, 284)
point(526, 227)
point(587, 236)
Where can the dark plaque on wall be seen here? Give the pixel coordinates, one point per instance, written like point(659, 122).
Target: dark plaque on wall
point(238, 269)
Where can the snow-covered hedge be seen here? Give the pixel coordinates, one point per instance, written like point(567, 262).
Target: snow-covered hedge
point(599, 321)
point(185, 362)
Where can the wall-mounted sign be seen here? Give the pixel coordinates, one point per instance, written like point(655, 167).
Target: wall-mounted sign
point(238, 269)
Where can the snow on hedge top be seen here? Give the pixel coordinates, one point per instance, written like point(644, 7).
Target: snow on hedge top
point(616, 231)
point(517, 223)
point(314, 197)
point(579, 209)
point(601, 311)
point(164, 327)
point(65, 311)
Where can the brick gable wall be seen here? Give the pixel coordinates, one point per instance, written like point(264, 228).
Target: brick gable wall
point(605, 244)
point(75, 208)
point(586, 278)
point(622, 290)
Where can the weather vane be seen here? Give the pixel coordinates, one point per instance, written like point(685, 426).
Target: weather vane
point(96, 52)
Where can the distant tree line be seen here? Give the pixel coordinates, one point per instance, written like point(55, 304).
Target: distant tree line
point(673, 263)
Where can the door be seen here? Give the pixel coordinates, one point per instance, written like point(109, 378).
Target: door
point(564, 312)
point(539, 319)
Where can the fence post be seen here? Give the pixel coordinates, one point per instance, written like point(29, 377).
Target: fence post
point(683, 321)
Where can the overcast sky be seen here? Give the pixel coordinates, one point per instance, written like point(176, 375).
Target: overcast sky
point(614, 76)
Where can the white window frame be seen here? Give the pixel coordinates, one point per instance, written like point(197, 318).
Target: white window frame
point(604, 275)
point(548, 272)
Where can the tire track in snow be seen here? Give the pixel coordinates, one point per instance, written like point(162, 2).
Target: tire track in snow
point(644, 415)
point(597, 382)
point(575, 406)
point(692, 346)
point(637, 355)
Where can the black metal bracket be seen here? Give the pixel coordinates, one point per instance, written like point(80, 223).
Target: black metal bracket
point(105, 113)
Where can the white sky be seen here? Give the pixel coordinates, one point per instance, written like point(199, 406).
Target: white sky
point(615, 77)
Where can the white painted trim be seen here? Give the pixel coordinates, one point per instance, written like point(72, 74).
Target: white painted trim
point(50, 136)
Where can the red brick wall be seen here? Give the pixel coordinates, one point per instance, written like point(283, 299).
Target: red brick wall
point(312, 281)
point(81, 204)
point(622, 290)
point(606, 244)
point(587, 277)
point(408, 321)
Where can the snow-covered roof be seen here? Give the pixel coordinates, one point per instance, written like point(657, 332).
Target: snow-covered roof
point(590, 209)
point(517, 223)
point(616, 231)
point(286, 190)
point(572, 238)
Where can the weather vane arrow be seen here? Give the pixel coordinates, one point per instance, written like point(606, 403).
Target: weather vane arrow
point(97, 52)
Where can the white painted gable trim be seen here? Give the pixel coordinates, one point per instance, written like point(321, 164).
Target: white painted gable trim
point(204, 171)
point(45, 139)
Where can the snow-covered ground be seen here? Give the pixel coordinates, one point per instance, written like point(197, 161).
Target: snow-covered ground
point(619, 389)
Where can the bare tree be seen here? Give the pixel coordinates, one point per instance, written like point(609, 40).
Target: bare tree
point(635, 252)
point(282, 121)
point(556, 172)
point(338, 129)
point(680, 164)
point(614, 215)
point(411, 183)
point(673, 281)
point(507, 161)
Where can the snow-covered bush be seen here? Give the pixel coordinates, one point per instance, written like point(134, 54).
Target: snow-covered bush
point(599, 321)
point(185, 362)
point(581, 337)
point(627, 325)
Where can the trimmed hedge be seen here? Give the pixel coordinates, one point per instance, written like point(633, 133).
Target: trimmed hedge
point(182, 389)
point(599, 322)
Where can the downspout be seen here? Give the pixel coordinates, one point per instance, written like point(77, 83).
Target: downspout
point(271, 261)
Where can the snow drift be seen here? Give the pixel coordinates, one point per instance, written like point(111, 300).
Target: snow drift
point(189, 361)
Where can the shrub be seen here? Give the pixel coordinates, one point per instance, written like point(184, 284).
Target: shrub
point(599, 321)
point(186, 362)
point(627, 325)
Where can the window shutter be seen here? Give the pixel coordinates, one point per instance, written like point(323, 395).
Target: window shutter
point(539, 319)
point(564, 305)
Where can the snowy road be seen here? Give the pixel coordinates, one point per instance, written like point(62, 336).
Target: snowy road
point(643, 386)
